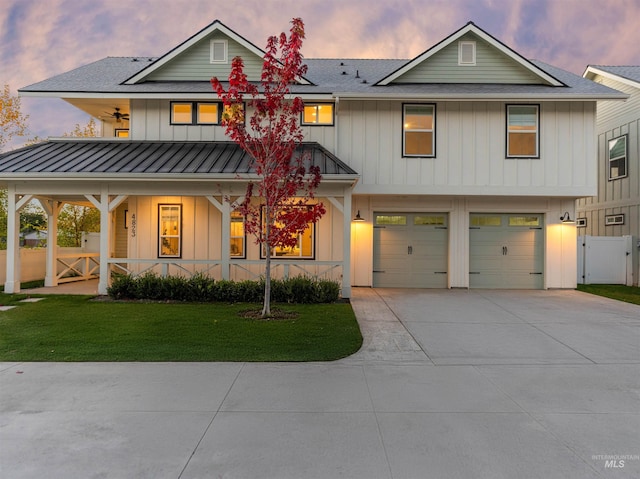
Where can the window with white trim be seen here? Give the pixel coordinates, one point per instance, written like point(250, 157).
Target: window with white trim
point(523, 126)
point(418, 130)
point(218, 51)
point(466, 53)
point(617, 155)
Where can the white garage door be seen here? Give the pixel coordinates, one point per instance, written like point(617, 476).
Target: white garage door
point(506, 251)
point(410, 250)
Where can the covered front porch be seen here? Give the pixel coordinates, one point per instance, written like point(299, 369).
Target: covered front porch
point(131, 183)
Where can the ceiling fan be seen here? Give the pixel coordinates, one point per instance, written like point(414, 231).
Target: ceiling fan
point(118, 116)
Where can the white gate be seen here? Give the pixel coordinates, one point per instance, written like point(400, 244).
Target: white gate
point(605, 260)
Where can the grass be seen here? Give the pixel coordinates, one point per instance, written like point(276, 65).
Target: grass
point(629, 294)
point(76, 328)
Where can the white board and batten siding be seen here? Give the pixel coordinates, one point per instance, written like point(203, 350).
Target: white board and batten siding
point(151, 121)
point(201, 237)
point(470, 151)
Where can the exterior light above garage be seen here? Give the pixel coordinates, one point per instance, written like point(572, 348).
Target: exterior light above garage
point(565, 218)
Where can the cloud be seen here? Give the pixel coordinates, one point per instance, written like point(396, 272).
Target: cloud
point(42, 38)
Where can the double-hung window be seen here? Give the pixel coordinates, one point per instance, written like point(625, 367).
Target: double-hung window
point(523, 131)
point(169, 231)
point(418, 130)
point(617, 154)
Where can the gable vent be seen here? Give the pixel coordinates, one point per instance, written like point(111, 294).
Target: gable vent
point(218, 51)
point(466, 53)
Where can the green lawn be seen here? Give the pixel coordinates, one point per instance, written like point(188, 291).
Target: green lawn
point(629, 294)
point(76, 328)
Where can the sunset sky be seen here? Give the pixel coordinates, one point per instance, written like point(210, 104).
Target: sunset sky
point(42, 38)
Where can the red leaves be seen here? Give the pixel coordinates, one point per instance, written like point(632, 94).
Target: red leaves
point(285, 186)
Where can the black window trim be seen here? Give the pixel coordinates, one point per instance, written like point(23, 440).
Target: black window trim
point(319, 103)
point(194, 112)
point(626, 157)
point(506, 132)
point(435, 143)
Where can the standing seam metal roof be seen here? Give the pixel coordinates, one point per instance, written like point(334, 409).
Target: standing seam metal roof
point(119, 157)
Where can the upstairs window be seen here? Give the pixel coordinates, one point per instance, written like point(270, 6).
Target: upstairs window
point(195, 113)
point(617, 154)
point(418, 130)
point(317, 114)
point(218, 51)
point(181, 113)
point(523, 131)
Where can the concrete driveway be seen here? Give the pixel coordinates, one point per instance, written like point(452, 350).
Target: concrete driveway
point(448, 384)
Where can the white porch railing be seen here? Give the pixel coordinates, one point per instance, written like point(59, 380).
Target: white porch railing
point(238, 269)
point(77, 267)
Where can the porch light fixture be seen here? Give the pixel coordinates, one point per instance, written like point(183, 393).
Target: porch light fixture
point(565, 218)
point(358, 218)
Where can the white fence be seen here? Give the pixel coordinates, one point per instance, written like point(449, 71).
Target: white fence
point(605, 260)
point(32, 264)
point(72, 265)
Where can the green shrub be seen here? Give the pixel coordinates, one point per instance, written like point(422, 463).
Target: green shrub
point(329, 291)
point(201, 288)
point(123, 286)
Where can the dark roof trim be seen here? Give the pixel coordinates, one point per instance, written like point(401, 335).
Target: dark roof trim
point(473, 28)
point(149, 159)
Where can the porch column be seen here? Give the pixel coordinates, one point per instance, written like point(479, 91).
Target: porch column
point(225, 241)
point(346, 245)
point(105, 234)
point(12, 280)
point(52, 208)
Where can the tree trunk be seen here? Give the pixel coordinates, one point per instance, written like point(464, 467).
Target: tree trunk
point(266, 305)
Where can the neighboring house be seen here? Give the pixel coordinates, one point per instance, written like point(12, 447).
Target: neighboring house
point(461, 162)
point(35, 239)
point(615, 210)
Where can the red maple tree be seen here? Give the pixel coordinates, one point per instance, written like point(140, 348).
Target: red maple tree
point(284, 186)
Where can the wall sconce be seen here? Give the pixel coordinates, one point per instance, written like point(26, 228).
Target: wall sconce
point(565, 218)
point(358, 218)
point(126, 219)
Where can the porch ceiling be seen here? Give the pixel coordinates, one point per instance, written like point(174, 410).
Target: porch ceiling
point(98, 159)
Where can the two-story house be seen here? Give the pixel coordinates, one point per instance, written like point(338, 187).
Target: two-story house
point(462, 163)
point(615, 210)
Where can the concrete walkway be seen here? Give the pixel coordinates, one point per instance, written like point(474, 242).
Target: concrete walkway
point(448, 384)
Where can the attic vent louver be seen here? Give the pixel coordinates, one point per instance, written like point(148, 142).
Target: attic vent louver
point(467, 53)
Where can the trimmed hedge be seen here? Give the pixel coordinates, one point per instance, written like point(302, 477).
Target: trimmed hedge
point(203, 289)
